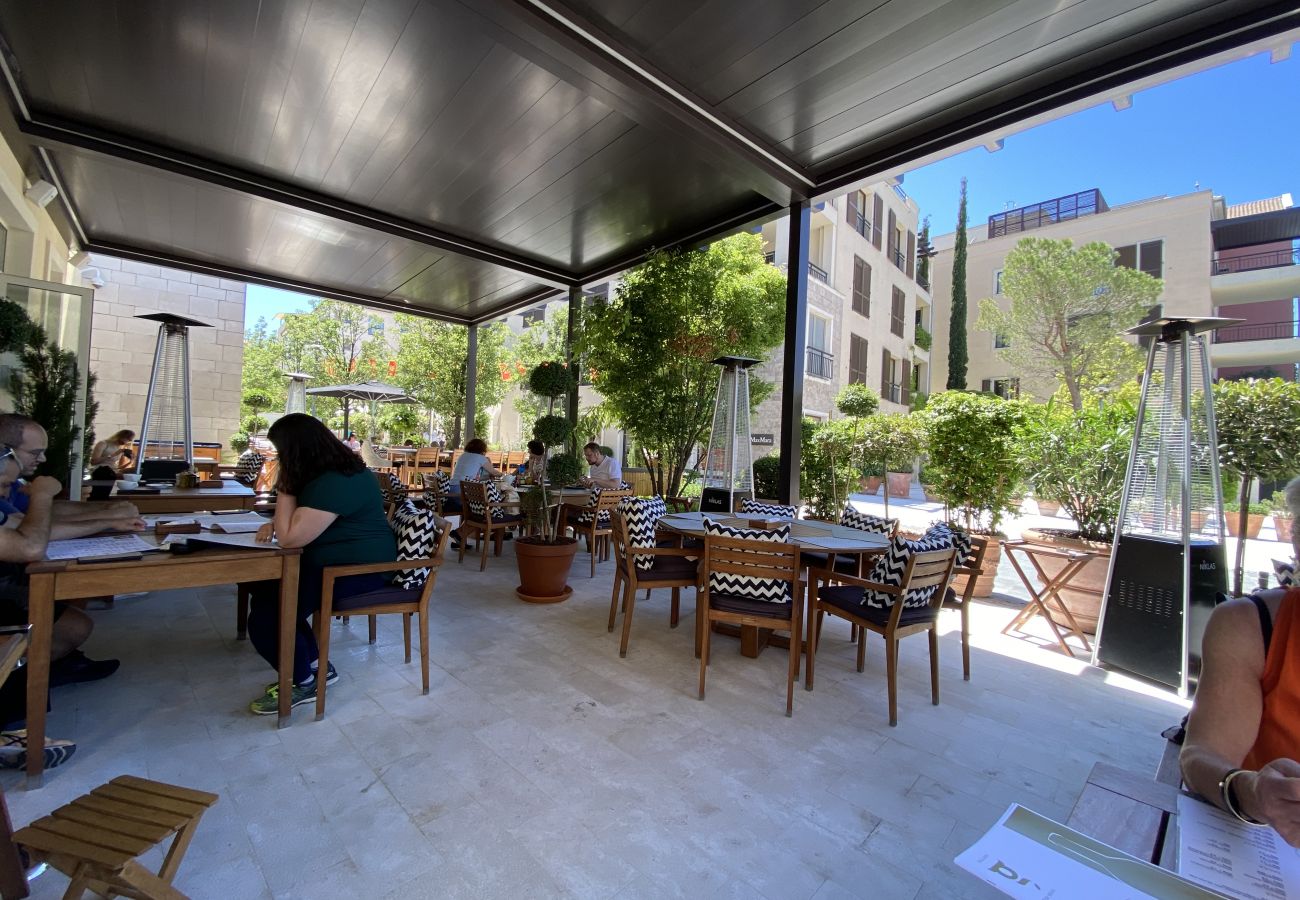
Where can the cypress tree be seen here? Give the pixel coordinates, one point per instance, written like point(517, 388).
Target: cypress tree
point(957, 356)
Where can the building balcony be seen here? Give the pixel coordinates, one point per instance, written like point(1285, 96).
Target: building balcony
point(1252, 262)
point(819, 364)
point(1254, 277)
point(1255, 344)
point(817, 272)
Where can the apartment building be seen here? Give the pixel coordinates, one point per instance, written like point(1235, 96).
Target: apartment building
point(869, 307)
point(1214, 259)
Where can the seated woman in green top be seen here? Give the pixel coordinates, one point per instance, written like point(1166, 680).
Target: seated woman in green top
point(328, 503)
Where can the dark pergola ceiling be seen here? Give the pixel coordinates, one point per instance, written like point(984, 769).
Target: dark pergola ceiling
point(465, 159)
point(1279, 226)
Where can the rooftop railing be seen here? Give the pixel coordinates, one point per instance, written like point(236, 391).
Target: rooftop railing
point(1049, 212)
point(1250, 262)
point(1255, 331)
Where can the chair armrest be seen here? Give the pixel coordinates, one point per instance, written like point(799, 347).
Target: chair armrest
point(826, 575)
point(665, 551)
point(397, 565)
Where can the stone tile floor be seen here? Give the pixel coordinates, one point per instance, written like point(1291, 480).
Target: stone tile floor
point(542, 765)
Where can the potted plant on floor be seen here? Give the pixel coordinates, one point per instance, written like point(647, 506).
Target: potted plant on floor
point(1078, 459)
point(545, 555)
point(971, 442)
point(1282, 520)
point(1255, 513)
point(892, 441)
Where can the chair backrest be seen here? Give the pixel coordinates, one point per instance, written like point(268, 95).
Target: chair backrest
point(426, 456)
point(516, 458)
point(607, 500)
point(974, 563)
point(476, 499)
point(746, 558)
point(622, 544)
point(455, 457)
point(749, 505)
point(926, 569)
point(421, 534)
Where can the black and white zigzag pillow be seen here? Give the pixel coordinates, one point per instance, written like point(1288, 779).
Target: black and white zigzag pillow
point(890, 567)
point(1284, 571)
point(391, 487)
point(642, 514)
point(602, 519)
point(754, 507)
point(249, 466)
point(960, 539)
point(867, 522)
point(417, 536)
point(494, 495)
point(769, 590)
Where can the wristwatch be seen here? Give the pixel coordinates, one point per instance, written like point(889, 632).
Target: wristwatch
point(1229, 798)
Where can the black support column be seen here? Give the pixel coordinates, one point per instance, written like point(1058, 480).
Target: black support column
point(471, 378)
point(570, 339)
point(796, 315)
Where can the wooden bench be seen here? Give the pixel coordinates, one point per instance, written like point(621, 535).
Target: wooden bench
point(96, 839)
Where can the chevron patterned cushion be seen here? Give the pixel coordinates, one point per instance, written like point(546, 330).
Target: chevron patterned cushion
point(391, 487)
point(1284, 571)
point(769, 590)
point(248, 466)
point(417, 533)
point(494, 495)
point(749, 505)
point(867, 522)
point(890, 567)
point(642, 514)
point(602, 521)
point(960, 539)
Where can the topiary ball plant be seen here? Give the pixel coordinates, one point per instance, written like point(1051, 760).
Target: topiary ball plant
point(565, 468)
point(551, 380)
point(551, 430)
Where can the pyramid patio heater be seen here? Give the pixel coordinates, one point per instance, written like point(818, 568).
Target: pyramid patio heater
point(728, 461)
point(296, 396)
point(167, 405)
point(1165, 568)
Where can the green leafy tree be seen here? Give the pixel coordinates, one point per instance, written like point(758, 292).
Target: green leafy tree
point(1257, 421)
point(1068, 306)
point(264, 363)
point(890, 441)
point(957, 354)
point(542, 341)
point(650, 350)
point(431, 367)
point(974, 459)
point(826, 472)
point(45, 386)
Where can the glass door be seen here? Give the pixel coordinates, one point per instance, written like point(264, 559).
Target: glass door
point(63, 311)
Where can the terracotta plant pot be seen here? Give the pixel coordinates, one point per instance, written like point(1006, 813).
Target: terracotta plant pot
point(1048, 507)
point(869, 483)
point(1083, 597)
point(900, 484)
point(1254, 522)
point(930, 495)
point(1198, 517)
point(988, 571)
point(543, 569)
point(1282, 523)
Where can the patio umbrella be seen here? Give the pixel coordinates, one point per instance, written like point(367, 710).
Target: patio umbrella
point(375, 392)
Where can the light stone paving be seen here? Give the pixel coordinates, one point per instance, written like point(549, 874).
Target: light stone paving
point(542, 765)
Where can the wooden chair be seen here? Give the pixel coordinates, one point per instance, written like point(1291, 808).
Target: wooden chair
point(672, 568)
point(405, 602)
point(760, 559)
point(96, 839)
point(597, 535)
point(972, 566)
point(484, 527)
point(932, 568)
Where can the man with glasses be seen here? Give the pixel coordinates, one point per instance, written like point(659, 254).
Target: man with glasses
point(28, 440)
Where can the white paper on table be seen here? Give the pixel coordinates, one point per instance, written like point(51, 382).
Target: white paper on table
point(238, 527)
point(1028, 855)
point(1216, 850)
point(243, 541)
point(91, 547)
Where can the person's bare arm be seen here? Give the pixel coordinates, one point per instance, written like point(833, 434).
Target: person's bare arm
point(62, 531)
point(69, 511)
point(27, 542)
point(294, 525)
point(1225, 720)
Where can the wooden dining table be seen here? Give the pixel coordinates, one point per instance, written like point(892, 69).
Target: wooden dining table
point(52, 581)
point(229, 495)
point(808, 535)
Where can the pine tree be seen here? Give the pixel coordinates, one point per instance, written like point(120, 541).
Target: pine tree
point(957, 356)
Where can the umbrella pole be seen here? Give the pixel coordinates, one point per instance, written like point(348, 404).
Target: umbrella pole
point(345, 418)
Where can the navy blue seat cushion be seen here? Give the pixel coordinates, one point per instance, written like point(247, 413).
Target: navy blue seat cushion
point(848, 565)
point(669, 568)
point(848, 597)
point(744, 605)
point(393, 594)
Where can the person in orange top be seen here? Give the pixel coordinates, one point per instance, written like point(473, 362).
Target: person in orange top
point(1243, 734)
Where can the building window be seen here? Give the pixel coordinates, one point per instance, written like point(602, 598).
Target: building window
point(895, 378)
point(997, 282)
point(877, 213)
point(858, 218)
point(1000, 341)
point(898, 306)
point(1006, 388)
point(857, 359)
point(1148, 257)
point(819, 362)
point(861, 286)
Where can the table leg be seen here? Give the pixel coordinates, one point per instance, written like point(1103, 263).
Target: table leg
point(1036, 604)
point(288, 629)
point(40, 613)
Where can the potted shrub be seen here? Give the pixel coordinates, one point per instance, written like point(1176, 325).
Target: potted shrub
point(971, 442)
point(1078, 459)
point(872, 477)
point(857, 402)
point(1047, 507)
point(1255, 513)
point(767, 476)
point(1281, 516)
point(825, 467)
point(927, 486)
point(239, 441)
point(545, 555)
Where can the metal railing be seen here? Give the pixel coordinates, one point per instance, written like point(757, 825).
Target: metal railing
point(862, 225)
point(1270, 259)
point(1255, 331)
point(923, 281)
point(770, 256)
point(900, 259)
point(1049, 212)
point(819, 364)
point(816, 271)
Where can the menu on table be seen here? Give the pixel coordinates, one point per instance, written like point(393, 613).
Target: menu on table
point(1216, 850)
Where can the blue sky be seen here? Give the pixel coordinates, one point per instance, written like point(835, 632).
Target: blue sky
point(1234, 129)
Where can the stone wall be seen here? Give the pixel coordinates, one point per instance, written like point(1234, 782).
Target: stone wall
point(122, 346)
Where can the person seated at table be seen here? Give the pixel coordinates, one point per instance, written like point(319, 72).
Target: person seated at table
point(533, 470)
point(29, 441)
point(473, 465)
point(114, 451)
point(19, 546)
point(1242, 749)
point(328, 504)
point(408, 443)
point(352, 443)
point(605, 471)
point(72, 627)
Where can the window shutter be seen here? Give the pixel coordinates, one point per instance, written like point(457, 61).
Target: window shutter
point(986, 385)
point(892, 236)
point(907, 380)
point(911, 255)
point(884, 374)
point(878, 210)
point(852, 205)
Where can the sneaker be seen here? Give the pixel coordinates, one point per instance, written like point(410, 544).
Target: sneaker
point(331, 677)
point(13, 750)
point(269, 703)
point(76, 667)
